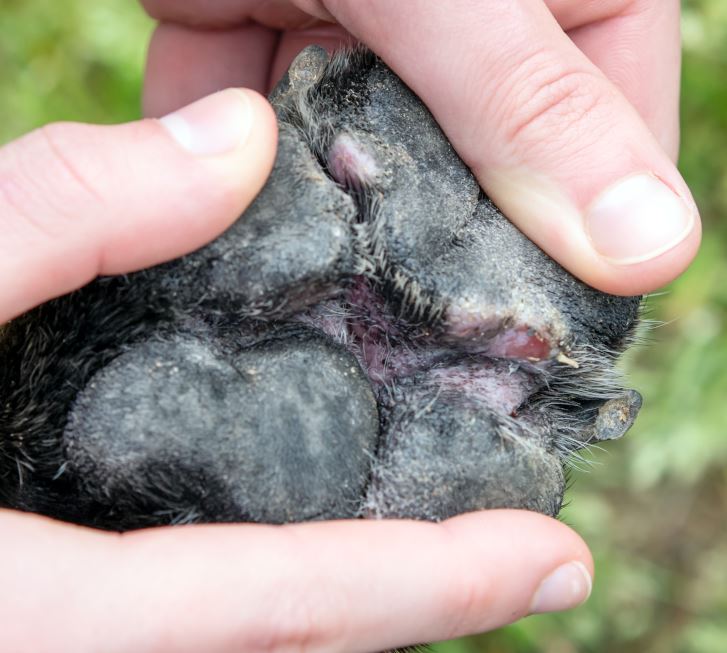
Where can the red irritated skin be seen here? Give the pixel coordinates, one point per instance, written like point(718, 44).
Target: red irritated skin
point(372, 338)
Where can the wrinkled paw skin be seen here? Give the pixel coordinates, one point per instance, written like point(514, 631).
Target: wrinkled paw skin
point(371, 339)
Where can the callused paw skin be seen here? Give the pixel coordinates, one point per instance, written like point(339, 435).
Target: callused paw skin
point(372, 338)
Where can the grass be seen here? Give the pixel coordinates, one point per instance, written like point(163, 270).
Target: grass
point(654, 507)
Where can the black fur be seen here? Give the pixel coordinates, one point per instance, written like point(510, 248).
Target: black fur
point(372, 338)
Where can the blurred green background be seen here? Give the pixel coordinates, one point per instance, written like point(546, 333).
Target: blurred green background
point(654, 506)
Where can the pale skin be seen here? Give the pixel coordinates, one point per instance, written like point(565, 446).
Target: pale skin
point(550, 103)
point(77, 201)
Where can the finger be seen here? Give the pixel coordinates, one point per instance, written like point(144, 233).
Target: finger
point(552, 141)
point(637, 45)
point(335, 586)
point(77, 201)
point(185, 64)
point(278, 14)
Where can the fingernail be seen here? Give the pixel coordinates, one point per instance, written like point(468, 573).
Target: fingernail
point(565, 588)
point(216, 124)
point(637, 219)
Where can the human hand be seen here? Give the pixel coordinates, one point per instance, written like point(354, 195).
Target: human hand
point(330, 586)
point(77, 201)
point(550, 102)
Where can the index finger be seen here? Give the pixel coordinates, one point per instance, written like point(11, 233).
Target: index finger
point(221, 14)
point(637, 46)
point(185, 64)
point(553, 142)
point(635, 43)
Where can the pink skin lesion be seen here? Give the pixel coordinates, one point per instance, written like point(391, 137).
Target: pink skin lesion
point(350, 163)
point(502, 389)
point(353, 166)
point(378, 343)
point(362, 321)
point(521, 343)
point(518, 342)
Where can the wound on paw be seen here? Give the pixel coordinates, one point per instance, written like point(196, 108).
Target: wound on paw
point(372, 338)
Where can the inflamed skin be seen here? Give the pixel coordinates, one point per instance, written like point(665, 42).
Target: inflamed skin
point(372, 338)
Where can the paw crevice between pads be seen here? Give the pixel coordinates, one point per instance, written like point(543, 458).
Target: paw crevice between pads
point(372, 337)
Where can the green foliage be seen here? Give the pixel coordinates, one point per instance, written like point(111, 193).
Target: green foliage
point(70, 60)
point(654, 505)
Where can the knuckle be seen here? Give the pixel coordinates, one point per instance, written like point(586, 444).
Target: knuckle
point(66, 160)
point(308, 615)
point(631, 7)
point(17, 202)
point(468, 604)
point(48, 181)
point(550, 99)
point(466, 601)
point(301, 622)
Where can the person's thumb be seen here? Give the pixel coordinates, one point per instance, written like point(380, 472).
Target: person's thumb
point(552, 141)
point(77, 201)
